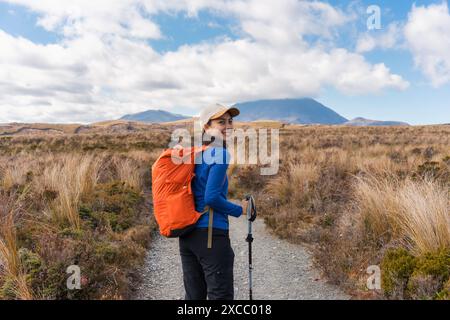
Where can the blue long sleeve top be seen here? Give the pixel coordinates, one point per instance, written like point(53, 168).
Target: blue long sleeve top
point(210, 188)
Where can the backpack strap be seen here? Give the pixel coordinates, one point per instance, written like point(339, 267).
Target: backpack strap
point(211, 214)
point(210, 224)
point(210, 228)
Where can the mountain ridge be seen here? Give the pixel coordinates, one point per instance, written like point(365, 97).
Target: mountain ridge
point(154, 116)
point(292, 111)
point(297, 111)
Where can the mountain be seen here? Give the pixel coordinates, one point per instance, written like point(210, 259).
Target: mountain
point(367, 122)
point(302, 111)
point(297, 111)
point(154, 116)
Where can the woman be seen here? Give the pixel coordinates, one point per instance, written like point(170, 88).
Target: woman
point(207, 259)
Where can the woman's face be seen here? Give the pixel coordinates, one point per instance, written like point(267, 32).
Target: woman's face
point(220, 127)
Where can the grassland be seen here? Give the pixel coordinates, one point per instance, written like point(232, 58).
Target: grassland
point(355, 196)
point(75, 199)
point(360, 197)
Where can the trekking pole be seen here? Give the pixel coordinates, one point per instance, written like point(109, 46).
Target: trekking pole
point(250, 218)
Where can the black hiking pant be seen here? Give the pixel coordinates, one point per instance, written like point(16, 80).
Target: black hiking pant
point(207, 272)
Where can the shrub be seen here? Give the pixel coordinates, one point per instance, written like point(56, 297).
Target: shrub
point(430, 275)
point(422, 277)
point(112, 204)
point(396, 268)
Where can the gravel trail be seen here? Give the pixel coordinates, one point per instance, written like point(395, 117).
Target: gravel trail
point(281, 270)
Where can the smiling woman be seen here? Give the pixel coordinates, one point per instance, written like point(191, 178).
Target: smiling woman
point(206, 254)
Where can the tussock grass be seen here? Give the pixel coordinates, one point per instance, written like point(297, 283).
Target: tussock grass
point(81, 201)
point(13, 174)
point(128, 172)
point(11, 270)
point(425, 216)
point(70, 176)
point(351, 194)
point(416, 212)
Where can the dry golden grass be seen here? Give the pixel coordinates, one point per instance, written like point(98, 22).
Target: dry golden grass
point(82, 199)
point(70, 176)
point(424, 216)
point(144, 156)
point(353, 193)
point(128, 172)
point(12, 175)
point(10, 265)
point(416, 212)
point(350, 193)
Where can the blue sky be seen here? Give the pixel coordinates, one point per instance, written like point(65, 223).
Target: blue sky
point(420, 104)
point(83, 63)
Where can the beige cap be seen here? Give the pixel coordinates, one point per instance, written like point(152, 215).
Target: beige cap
point(215, 111)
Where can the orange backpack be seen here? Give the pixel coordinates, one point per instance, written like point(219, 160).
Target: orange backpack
point(173, 200)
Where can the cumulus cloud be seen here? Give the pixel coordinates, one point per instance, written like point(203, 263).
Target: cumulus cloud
point(384, 39)
point(104, 66)
point(428, 37)
point(284, 22)
point(79, 17)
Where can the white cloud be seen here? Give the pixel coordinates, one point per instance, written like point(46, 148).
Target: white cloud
point(428, 37)
point(104, 66)
point(79, 17)
point(283, 22)
point(388, 39)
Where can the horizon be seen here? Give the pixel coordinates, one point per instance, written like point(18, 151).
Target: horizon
point(90, 62)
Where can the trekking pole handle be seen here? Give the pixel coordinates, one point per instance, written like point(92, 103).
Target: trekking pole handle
point(251, 208)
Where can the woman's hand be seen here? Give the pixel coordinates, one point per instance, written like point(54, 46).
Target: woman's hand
point(244, 210)
point(244, 206)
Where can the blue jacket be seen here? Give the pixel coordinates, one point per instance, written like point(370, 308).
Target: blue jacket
point(210, 188)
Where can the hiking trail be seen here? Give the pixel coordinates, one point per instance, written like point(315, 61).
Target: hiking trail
point(281, 270)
